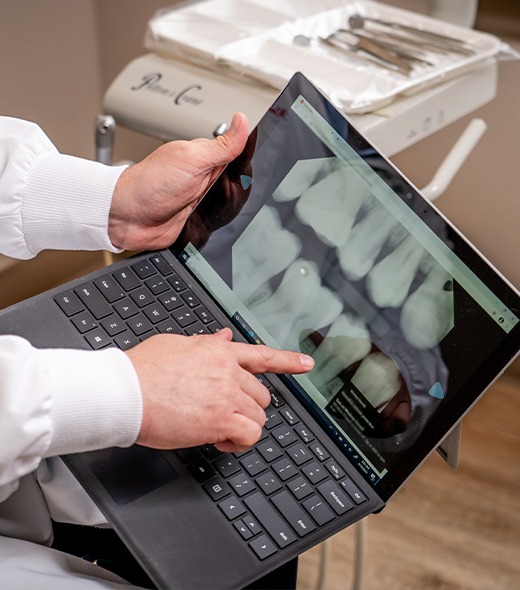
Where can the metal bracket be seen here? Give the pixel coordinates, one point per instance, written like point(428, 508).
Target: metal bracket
point(105, 127)
point(450, 446)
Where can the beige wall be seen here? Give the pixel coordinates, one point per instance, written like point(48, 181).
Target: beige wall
point(58, 56)
point(49, 68)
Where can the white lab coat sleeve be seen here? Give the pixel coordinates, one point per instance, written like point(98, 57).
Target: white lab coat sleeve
point(50, 200)
point(56, 401)
point(62, 401)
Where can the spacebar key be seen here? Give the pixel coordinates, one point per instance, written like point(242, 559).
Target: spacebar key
point(269, 519)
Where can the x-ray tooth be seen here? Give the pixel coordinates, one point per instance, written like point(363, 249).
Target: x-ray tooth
point(389, 281)
point(300, 303)
point(300, 177)
point(378, 378)
point(346, 342)
point(428, 313)
point(261, 252)
point(331, 205)
point(358, 254)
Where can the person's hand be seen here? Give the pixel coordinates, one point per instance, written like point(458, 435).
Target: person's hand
point(203, 390)
point(153, 198)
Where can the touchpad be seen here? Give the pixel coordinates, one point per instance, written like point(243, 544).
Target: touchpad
point(129, 474)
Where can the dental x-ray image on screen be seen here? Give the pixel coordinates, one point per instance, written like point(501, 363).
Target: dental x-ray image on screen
point(327, 256)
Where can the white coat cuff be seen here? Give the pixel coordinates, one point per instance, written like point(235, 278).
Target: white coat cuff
point(97, 400)
point(66, 203)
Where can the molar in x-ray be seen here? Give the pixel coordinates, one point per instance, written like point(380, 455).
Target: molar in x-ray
point(261, 252)
point(389, 281)
point(300, 178)
point(331, 205)
point(300, 303)
point(346, 343)
point(428, 313)
point(357, 255)
point(378, 378)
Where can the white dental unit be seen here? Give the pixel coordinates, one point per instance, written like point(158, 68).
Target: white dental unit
point(210, 58)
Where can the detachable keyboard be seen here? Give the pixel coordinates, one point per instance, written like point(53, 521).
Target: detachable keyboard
point(283, 488)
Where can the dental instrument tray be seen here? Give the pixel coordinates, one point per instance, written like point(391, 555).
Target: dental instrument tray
point(363, 54)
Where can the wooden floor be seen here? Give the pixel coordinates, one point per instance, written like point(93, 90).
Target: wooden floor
point(445, 529)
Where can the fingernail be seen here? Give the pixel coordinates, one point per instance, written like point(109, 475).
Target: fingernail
point(234, 123)
point(306, 361)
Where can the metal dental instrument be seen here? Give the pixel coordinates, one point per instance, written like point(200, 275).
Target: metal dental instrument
point(443, 42)
point(364, 48)
point(402, 50)
point(361, 43)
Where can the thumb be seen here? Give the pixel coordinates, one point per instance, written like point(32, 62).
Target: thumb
point(224, 334)
point(231, 143)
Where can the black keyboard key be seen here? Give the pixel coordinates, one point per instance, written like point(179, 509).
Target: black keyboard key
point(156, 313)
point(299, 454)
point(319, 510)
point(93, 301)
point(263, 547)
point(335, 469)
point(268, 483)
point(169, 326)
point(190, 299)
point(98, 339)
point(177, 283)
point(203, 314)
point(201, 469)
point(243, 529)
point(69, 303)
point(161, 264)
point(231, 507)
point(252, 524)
point(269, 519)
point(292, 511)
point(142, 297)
point(144, 269)
point(157, 285)
point(315, 472)
point(284, 436)
point(285, 469)
point(226, 465)
point(242, 484)
point(276, 399)
point(126, 340)
point(84, 322)
point(139, 324)
point(109, 288)
point(290, 416)
point(300, 487)
point(210, 451)
point(353, 491)
point(335, 497)
point(184, 316)
point(113, 325)
point(126, 308)
point(253, 464)
point(319, 451)
point(272, 418)
point(269, 450)
point(304, 433)
point(170, 300)
point(196, 329)
point(127, 279)
point(216, 488)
